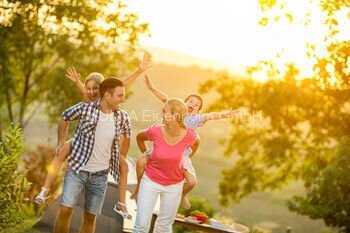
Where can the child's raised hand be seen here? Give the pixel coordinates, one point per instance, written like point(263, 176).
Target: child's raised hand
point(72, 74)
point(146, 62)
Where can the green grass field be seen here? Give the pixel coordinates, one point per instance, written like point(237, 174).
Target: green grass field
point(267, 210)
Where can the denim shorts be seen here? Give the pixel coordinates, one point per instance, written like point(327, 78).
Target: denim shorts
point(94, 186)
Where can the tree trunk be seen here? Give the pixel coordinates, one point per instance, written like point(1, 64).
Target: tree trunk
point(23, 102)
point(9, 105)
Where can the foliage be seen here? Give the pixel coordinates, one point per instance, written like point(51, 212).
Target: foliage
point(297, 121)
point(13, 184)
point(297, 129)
point(328, 195)
point(40, 39)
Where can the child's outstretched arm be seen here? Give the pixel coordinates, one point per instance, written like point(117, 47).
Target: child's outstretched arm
point(198, 120)
point(220, 115)
point(145, 64)
point(159, 94)
point(74, 75)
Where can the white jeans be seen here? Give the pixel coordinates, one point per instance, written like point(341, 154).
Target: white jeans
point(170, 197)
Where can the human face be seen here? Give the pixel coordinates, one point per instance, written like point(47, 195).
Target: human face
point(193, 104)
point(168, 116)
point(116, 97)
point(92, 88)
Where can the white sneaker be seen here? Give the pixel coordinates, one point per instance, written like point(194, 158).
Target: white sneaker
point(42, 197)
point(119, 211)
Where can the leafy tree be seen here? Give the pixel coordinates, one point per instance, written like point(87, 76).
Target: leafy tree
point(13, 184)
point(39, 39)
point(328, 195)
point(295, 131)
point(300, 122)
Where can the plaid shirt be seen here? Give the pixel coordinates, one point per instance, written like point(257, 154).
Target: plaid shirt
point(84, 136)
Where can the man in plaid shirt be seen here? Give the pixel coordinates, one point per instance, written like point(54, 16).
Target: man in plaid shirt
point(94, 152)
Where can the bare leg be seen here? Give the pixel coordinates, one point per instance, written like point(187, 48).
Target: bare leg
point(140, 168)
point(123, 181)
point(53, 169)
point(56, 165)
point(191, 182)
point(63, 219)
point(89, 223)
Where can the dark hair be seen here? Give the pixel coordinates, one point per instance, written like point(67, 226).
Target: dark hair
point(195, 96)
point(109, 84)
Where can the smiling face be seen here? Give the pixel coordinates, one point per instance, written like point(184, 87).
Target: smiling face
point(92, 85)
point(92, 90)
point(174, 111)
point(167, 114)
point(194, 104)
point(115, 97)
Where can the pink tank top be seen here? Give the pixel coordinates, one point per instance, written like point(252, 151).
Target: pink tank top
point(165, 165)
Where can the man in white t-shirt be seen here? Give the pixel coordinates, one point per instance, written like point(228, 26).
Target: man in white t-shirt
point(94, 153)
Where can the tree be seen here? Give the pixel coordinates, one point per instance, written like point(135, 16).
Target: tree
point(297, 130)
point(328, 195)
point(302, 119)
point(39, 39)
point(13, 184)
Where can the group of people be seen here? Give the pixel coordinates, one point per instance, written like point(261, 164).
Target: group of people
point(100, 145)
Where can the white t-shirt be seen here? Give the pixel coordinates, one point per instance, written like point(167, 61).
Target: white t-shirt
point(104, 136)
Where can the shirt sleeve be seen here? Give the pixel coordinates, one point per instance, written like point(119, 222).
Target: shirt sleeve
point(74, 112)
point(126, 127)
point(151, 132)
point(194, 121)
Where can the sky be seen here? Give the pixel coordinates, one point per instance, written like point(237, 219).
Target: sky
point(225, 31)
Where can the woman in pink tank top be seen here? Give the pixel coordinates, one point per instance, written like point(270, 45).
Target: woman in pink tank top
point(164, 173)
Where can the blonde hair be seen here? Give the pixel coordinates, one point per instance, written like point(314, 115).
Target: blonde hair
point(94, 76)
point(179, 109)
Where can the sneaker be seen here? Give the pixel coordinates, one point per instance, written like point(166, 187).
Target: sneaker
point(120, 208)
point(42, 197)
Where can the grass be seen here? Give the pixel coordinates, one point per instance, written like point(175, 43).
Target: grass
point(25, 227)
